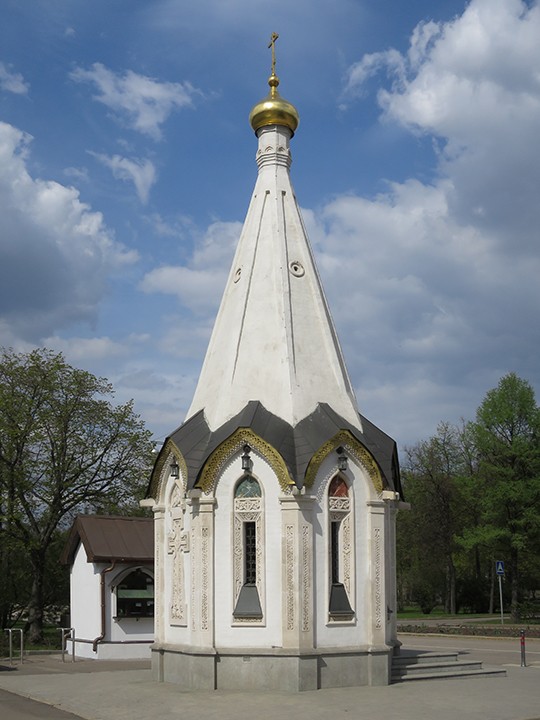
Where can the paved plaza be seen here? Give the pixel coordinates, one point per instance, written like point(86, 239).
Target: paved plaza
point(113, 690)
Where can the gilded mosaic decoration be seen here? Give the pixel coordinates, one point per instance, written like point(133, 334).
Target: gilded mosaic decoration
point(222, 454)
point(159, 473)
point(355, 448)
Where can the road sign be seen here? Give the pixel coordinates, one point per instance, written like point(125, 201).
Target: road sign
point(499, 567)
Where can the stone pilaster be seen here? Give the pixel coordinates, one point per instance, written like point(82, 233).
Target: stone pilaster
point(202, 570)
point(159, 575)
point(377, 564)
point(391, 598)
point(297, 572)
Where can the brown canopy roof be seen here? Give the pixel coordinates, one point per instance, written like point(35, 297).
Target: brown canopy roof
point(107, 537)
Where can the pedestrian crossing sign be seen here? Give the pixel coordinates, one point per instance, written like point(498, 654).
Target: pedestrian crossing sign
point(499, 567)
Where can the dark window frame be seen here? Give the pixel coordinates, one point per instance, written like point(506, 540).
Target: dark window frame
point(132, 599)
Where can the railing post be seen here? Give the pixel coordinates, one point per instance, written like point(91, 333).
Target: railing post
point(522, 644)
point(68, 633)
point(10, 632)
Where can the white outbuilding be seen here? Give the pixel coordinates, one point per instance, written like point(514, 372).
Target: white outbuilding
point(111, 563)
point(275, 500)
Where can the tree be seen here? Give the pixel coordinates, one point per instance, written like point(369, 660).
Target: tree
point(432, 471)
point(64, 448)
point(507, 440)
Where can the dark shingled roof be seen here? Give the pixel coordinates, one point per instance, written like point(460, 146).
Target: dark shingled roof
point(296, 445)
point(108, 537)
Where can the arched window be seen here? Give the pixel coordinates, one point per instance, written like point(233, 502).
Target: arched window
point(247, 487)
point(248, 557)
point(135, 595)
point(340, 549)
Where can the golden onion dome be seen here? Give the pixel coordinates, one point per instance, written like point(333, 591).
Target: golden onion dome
point(274, 110)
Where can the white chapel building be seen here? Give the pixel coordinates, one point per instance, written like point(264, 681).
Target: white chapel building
point(275, 501)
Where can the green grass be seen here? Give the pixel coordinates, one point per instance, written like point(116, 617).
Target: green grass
point(438, 613)
point(414, 613)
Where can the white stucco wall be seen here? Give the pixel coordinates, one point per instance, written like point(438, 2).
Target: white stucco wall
point(85, 599)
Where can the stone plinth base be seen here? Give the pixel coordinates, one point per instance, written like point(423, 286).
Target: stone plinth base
point(276, 669)
point(110, 651)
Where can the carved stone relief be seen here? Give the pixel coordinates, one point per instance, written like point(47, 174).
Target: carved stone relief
point(205, 532)
point(346, 554)
point(378, 579)
point(306, 578)
point(177, 545)
point(289, 576)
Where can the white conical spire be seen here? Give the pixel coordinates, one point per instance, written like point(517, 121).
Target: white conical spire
point(274, 340)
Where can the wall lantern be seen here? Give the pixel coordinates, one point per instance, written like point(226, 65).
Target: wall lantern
point(246, 460)
point(175, 469)
point(342, 462)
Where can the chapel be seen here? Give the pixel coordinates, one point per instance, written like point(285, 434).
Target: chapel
point(275, 500)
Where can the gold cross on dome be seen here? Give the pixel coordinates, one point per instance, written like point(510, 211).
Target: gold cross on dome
point(273, 46)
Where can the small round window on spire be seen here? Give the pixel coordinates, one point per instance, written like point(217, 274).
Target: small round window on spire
point(296, 268)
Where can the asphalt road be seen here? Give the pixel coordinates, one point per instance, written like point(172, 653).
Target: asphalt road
point(15, 707)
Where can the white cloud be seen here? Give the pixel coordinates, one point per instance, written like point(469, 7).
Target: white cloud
point(199, 284)
point(141, 102)
point(422, 301)
point(440, 280)
point(12, 82)
point(141, 173)
point(474, 83)
point(77, 174)
point(162, 397)
point(84, 350)
point(55, 252)
point(178, 227)
point(370, 65)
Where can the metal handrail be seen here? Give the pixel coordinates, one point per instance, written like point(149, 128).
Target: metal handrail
point(66, 634)
point(10, 632)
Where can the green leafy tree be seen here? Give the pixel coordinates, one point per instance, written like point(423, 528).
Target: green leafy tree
point(432, 472)
point(507, 441)
point(64, 448)
point(15, 577)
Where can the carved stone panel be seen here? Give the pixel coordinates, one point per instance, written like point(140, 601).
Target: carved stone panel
point(306, 578)
point(176, 546)
point(289, 577)
point(378, 579)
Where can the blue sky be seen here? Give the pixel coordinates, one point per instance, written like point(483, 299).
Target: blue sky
point(127, 164)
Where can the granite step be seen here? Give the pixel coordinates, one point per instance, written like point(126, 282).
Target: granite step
point(409, 666)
